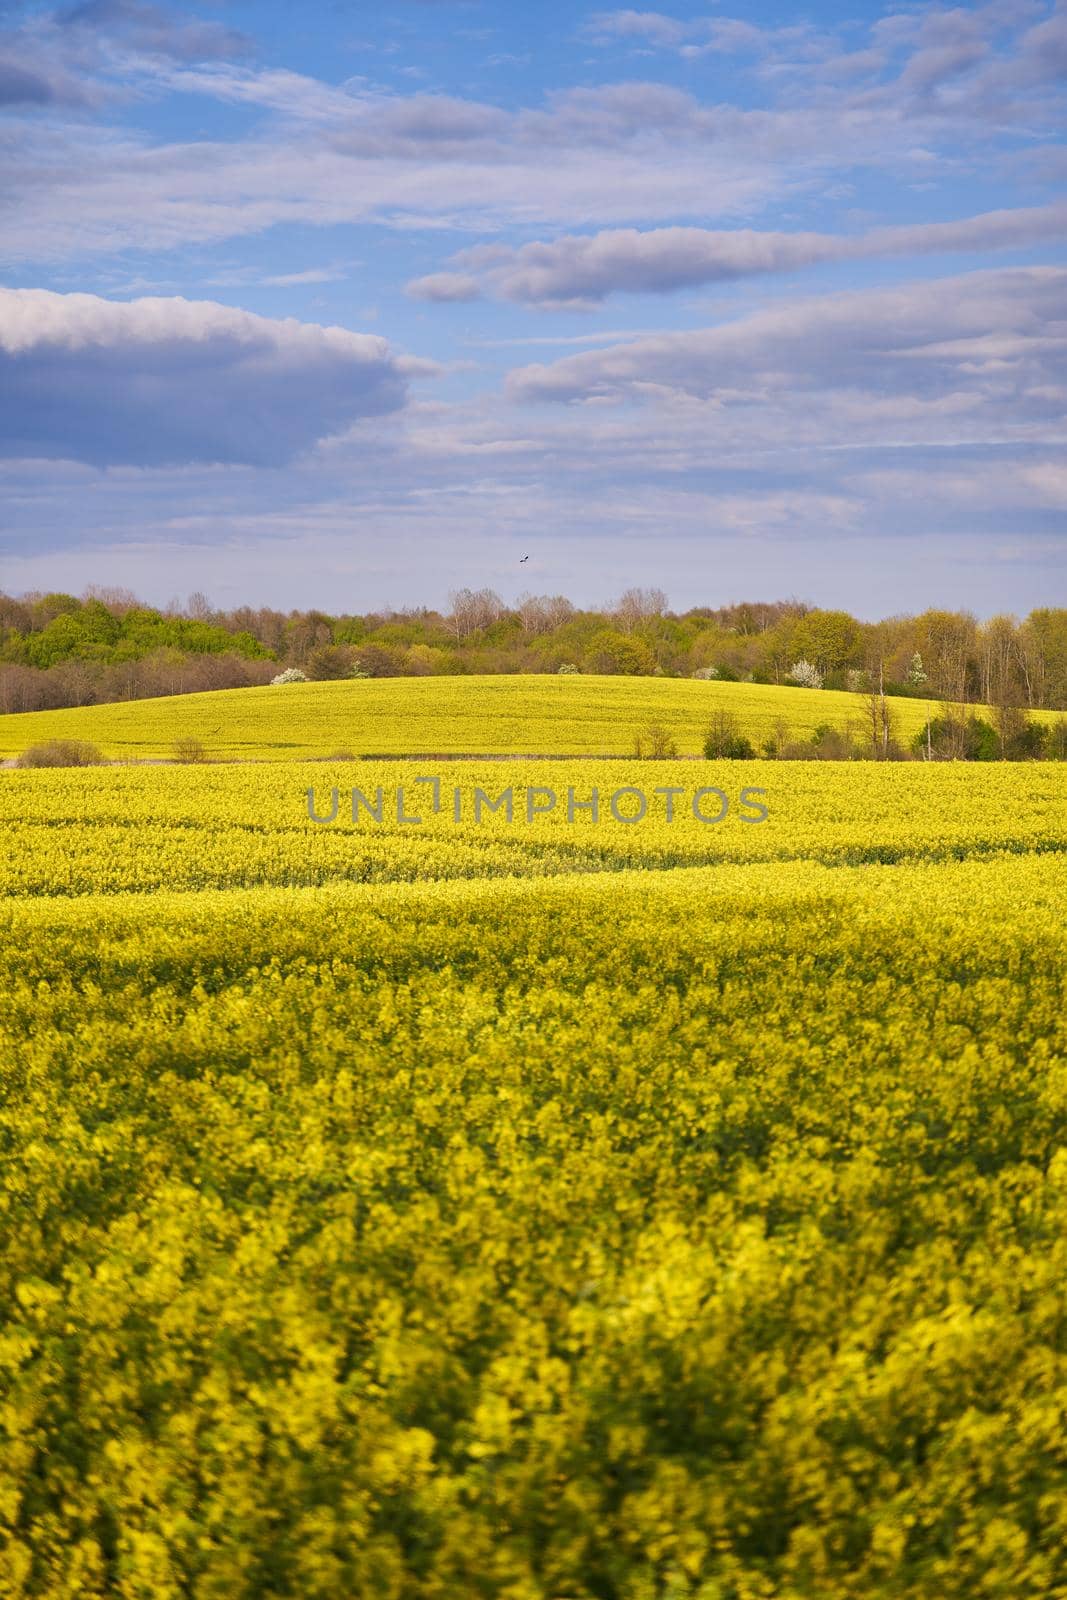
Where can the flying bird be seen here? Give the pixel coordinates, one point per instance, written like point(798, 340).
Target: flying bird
point(522, 559)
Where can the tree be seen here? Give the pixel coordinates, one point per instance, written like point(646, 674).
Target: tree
point(473, 610)
point(724, 740)
point(829, 639)
point(115, 597)
point(613, 652)
point(1042, 648)
point(329, 662)
point(655, 743)
point(638, 605)
point(947, 642)
point(879, 717)
point(304, 632)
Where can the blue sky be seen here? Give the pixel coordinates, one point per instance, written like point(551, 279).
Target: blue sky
point(353, 306)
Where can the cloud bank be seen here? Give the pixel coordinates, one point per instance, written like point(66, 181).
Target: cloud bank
point(157, 382)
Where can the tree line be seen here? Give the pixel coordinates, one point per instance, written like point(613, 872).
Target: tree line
point(107, 645)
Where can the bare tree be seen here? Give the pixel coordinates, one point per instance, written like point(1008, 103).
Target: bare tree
point(472, 610)
point(117, 598)
point(876, 706)
point(532, 614)
point(558, 610)
point(638, 605)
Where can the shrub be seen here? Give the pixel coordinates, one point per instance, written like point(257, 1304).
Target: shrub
point(290, 675)
point(654, 744)
point(798, 750)
point(188, 751)
point(804, 674)
point(832, 744)
point(1026, 742)
point(61, 753)
point(706, 673)
point(569, 667)
point(724, 741)
point(953, 738)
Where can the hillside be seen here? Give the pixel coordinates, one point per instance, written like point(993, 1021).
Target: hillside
point(528, 715)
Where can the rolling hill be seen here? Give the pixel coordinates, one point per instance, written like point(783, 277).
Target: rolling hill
point(489, 715)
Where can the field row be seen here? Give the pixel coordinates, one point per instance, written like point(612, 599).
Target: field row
point(134, 829)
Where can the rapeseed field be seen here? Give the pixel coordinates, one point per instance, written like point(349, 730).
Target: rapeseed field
point(544, 1210)
point(523, 715)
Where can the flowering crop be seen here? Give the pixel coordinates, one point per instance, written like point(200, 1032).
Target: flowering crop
point(525, 715)
point(533, 1210)
point(122, 829)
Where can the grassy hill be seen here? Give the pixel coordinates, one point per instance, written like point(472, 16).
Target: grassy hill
point(526, 715)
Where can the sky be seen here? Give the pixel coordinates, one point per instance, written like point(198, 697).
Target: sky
point(352, 306)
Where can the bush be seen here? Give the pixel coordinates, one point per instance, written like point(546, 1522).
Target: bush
point(707, 673)
point(1026, 742)
point(953, 738)
point(798, 750)
point(831, 744)
point(805, 675)
point(188, 751)
point(61, 753)
point(569, 667)
point(290, 675)
point(654, 744)
point(724, 740)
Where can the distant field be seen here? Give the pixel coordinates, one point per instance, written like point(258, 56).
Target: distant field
point(475, 715)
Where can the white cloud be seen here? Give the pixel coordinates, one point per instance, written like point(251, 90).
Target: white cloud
point(995, 333)
point(579, 271)
point(445, 286)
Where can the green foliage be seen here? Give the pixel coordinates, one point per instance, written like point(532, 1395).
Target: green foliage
point(953, 736)
point(613, 652)
point(1027, 742)
point(830, 640)
point(92, 632)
